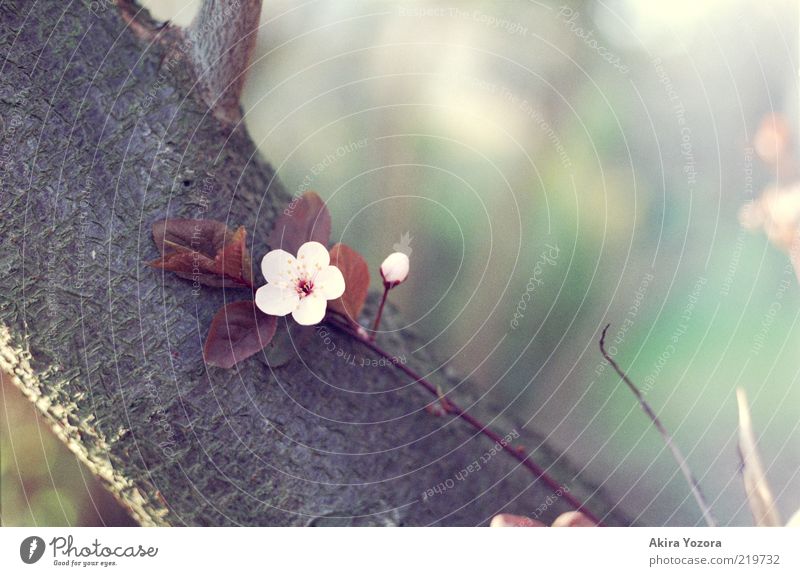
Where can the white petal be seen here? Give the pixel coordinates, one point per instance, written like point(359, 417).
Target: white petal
point(278, 266)
point(276, 301)
point(329, 283)
point(313, 256)
point(310, 311)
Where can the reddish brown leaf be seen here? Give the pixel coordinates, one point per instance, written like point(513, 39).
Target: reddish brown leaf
point(184, 262)
point(303, 220)
point(247, 268)
point(197, 268)
point(187, 235)
point(356, 280)
point(237, 331)
point(229, 261)
point(204, 251)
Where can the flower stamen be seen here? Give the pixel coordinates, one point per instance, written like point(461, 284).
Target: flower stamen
point(305, 287)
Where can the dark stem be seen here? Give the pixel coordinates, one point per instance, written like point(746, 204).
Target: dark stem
point(377, 323)
point(453, 408)
point(676, 453)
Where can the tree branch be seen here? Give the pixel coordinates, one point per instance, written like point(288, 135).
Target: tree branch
point(223, 36)
point(667, 437)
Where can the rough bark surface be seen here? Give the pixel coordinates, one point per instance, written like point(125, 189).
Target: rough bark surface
point(104, 133)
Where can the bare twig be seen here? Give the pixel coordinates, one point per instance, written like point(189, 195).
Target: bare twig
point(378, 316)
point(676, 453)
point(452, 408)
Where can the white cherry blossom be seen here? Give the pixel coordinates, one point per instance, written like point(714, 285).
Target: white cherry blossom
point(299, 286)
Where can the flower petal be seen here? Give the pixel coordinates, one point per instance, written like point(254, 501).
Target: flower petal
point(313, 256)
point(329, 283)
point(395, 268)
point(276, 301)
point(311, 310)
point(573, 519)
point(514, 521)
point(278, 266)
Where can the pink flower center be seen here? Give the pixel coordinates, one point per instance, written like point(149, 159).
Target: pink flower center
point(304, 287)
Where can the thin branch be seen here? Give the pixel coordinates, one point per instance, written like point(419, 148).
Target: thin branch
point(676, 453)
point(451, 407)
point(378, 316)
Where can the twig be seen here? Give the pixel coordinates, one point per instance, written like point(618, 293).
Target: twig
point(676, 453)
point(378, 316)
point(451, 407)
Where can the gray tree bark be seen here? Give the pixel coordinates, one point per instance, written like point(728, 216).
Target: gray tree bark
point(107, 128)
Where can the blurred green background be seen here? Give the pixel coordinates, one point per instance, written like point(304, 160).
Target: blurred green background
point(619, 132)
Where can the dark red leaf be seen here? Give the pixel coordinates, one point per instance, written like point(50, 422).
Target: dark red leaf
point(237, 331)
point(204, 251)
point(229, 261)
point(187, 235)
point(305, 219)
point(247, 268)
point(184, 262)
point(356, 280)
point(196, 267)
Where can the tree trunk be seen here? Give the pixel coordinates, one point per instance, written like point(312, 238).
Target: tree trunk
point(105, 130)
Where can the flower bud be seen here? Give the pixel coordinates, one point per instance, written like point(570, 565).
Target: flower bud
point(394, 269)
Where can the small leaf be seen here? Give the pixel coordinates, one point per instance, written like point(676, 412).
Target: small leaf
point(759, 495)
point(204, 251)
point(184, 263)
point(229, 261)
point(247, 268)
point(356, 280)
point(303, 220)
point(237, 331)
point(187, 235)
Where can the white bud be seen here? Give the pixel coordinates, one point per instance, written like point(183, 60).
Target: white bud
point(395, 269)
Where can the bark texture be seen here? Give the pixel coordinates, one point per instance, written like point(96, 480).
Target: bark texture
point(104, 132)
